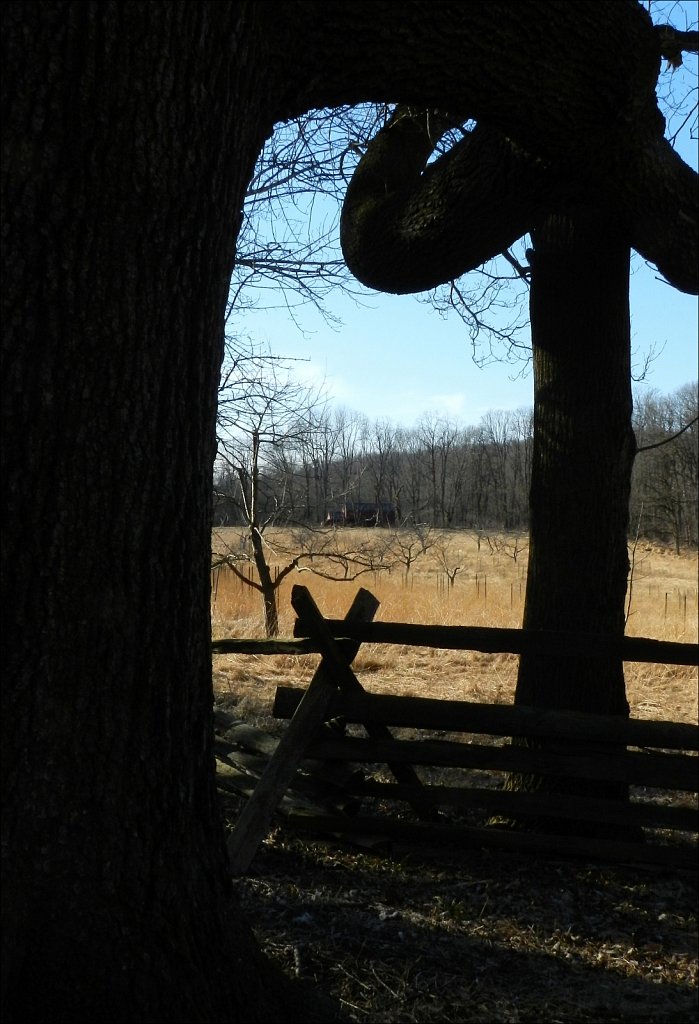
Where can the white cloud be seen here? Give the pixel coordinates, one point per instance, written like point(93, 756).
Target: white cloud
point(452, 405)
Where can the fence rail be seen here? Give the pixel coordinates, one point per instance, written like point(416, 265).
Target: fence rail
point(577, 751)
point(497, 719)
point(487, 639)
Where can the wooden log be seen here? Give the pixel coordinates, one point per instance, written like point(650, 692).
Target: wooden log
point(486, 639)
point(306, 609)
point(519, 803)
point(515, 641)
point(497, 719)
point(255, 818)
point(669, 771)
point(671, 856)
point(268, 646)
point(324, 778)
point(231, 779)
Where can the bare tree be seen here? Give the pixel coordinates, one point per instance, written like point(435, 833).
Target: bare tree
point(381, 456)
point(444, 452)
point(278, 446)
point(342, 556)
point(262, 410)
point(410, 542)
point(288, 252)
point(351, 466)
point(448, 560)
point(510, 546)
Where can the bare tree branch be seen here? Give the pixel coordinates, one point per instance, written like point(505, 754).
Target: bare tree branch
point(667, 440)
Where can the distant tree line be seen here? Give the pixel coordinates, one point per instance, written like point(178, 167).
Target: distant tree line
point(665, 479)
point(447, 475)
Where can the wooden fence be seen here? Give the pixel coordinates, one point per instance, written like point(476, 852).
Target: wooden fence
point(651, 757)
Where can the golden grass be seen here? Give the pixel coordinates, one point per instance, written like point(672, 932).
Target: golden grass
point(488, 591)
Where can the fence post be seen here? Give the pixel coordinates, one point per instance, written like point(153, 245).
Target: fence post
point(254, 821)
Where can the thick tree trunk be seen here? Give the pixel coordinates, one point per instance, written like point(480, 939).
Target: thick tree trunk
point(583, 454)
point(116, 899)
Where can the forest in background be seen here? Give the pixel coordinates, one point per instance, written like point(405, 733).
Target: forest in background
point(440, 472)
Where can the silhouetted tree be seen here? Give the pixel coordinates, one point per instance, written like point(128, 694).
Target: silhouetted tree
point(408, 223)
point(263, 410)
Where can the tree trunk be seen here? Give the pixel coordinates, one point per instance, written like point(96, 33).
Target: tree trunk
point(582, 459)
point(269, 593)
point(251, 504)
point(116, 899)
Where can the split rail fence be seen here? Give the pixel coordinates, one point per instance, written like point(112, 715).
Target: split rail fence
point(653, 758)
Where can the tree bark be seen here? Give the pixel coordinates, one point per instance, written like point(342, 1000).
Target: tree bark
point(267, 587)
point(252, 511)
point(124, 163)
point(583, 452)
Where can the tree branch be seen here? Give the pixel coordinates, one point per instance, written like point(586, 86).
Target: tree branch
point(667, 440)
point(407, 226)
point(673, 42)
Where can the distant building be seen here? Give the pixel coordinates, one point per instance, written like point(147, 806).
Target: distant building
point(363, 513)
point(335, 518)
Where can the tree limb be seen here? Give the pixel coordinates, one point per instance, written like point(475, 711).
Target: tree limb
point(673, 42)
point(667, 440)
point(407, 226)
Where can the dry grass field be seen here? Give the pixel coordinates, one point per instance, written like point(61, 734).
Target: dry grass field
point(488, 591)
point(393, 934)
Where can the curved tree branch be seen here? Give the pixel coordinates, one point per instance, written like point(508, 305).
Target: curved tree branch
point(584, 105)
point(656, 191)
point(667, 440)
point(407, 226)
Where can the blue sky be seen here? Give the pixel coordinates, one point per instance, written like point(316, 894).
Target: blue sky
point(394, 357)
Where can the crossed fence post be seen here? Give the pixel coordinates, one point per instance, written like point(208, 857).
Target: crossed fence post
point(256, 816)
point(333, 671)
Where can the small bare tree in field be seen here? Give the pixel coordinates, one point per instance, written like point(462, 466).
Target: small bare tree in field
point(410, 542)
point(511, 547)
point(340, 556)
point(446, 559)
point(262, 410)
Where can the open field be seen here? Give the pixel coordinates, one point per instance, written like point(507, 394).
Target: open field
point(488, 591)
point(393, 934)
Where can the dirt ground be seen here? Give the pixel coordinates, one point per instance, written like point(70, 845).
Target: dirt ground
point(425, 935)
point(399, 933)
